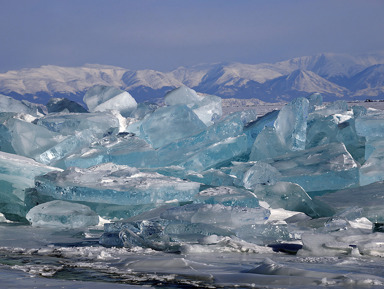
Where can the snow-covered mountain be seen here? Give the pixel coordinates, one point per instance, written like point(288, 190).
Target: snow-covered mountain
point(334, 75)
point(301, 83)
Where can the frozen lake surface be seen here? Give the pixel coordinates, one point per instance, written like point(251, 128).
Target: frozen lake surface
point(41, 258)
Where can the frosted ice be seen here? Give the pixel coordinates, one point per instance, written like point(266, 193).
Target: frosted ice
point(104, 98)
point(228, 196)
point(225, 217)
point(212, 177)
point(207, 107)
point(68, 123)
point(62, 215)
point(121, 149)
point(216, 154)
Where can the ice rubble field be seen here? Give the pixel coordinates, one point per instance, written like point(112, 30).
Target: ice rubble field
point(188, 196)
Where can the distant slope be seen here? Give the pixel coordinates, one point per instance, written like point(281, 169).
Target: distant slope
point(334, 75)
point(301, 83)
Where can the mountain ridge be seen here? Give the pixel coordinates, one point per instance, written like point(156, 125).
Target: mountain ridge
point(336, 76)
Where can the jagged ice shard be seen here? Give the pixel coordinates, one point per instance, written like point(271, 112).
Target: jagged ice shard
point(168, 124)
point(104, 98)
point(207, 107)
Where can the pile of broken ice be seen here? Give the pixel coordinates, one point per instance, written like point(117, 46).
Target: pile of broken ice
point(181, 173)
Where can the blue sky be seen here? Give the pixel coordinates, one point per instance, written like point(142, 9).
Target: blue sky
point(165, 34)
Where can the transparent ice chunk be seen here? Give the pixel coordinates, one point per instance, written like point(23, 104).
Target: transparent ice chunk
point(30, 140)
point(368, 197)
point(17, 173)
point(207, 107)
point(336, 107)
point(143, 109)
point(315, 100)
point(253, 128)
point(62, 215)
point(327, 167)
point(81, 131)
point(260, 174)
point(373, 168)
point(335, 128)
point(168, 124)
point(114, 184)
point(267, 145)
point(9, 104)
point(291, 197)
point(291, 124)
point(68, 123)
point(216, 154)
point(264, 234)
point(121, 149)
point(180, 150)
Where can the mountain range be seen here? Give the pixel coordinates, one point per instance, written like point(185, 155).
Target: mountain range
point(335, 76)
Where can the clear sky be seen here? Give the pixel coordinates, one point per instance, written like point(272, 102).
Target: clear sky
point(165, 34)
